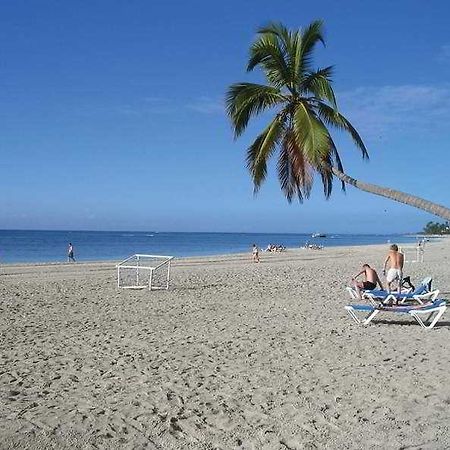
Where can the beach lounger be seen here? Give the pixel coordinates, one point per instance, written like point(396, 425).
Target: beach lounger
point(433, 311)
point(422, 294)
point(421, 299)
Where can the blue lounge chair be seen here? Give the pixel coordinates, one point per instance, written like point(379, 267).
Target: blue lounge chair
point(433, 310)
point(422, 294)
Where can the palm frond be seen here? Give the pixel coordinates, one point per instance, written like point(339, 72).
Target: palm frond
point(268, 52)
point(335, 118)
point(245, 100)
point(262, 149)
point(295, 172)
point(311, 35)
point(333, 159)
point(319, 84)
point(324, 169)
point(290, 44)
point(310, 133)
point(337, 160)
point(296, 58)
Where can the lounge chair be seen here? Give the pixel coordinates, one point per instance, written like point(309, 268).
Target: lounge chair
point(436, 309)
point(421, 299)
point(422, 294)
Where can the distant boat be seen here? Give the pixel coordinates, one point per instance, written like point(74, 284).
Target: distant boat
point(318, 235)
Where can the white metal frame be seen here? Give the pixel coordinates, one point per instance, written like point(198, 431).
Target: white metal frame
point(437, 311)
point(419, 251)
point(144, 282)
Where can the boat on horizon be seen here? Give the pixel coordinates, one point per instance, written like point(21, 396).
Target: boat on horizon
point(318, 235)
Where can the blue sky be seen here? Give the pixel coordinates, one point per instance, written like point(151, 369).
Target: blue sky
point(111, 114)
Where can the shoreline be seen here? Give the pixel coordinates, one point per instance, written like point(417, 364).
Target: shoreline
point(206, 257)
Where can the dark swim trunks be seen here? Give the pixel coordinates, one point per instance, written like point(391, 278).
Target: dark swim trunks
point(369, 285)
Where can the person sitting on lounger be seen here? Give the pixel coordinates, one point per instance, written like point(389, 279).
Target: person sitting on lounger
point(371, 279)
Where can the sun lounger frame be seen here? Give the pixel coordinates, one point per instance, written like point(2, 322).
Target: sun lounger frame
point(436, 309)
point(394, 297)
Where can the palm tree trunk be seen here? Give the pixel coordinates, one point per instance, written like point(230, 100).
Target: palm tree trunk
point(398, 196)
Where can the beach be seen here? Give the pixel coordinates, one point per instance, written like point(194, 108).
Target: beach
point(235, 355)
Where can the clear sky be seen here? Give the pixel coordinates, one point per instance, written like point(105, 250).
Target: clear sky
point(112, 116)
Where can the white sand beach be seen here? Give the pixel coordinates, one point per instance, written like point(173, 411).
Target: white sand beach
point(235, 355)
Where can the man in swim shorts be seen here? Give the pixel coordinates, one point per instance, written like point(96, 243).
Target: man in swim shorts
point(371, 279)
point(395, 259)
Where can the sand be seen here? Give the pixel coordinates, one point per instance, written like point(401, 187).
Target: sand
point(234, 355)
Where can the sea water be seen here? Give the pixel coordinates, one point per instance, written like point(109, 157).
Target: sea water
point(51, 246)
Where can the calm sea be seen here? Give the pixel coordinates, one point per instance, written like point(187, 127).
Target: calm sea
point(51, 246)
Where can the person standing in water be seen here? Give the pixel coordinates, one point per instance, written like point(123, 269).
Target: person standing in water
point(70, 257)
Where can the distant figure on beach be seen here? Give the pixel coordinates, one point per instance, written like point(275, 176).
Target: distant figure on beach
point(255, 253)
point(420, 250)
point(70, 257)
point(371, 279)
point(395, 259)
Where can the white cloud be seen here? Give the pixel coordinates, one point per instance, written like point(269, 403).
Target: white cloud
point(207, 105)
point(379, 110)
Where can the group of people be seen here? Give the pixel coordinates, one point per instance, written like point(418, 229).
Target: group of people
point(313, 246)
point(275, 248)
point(270, 248)
point(392, 269)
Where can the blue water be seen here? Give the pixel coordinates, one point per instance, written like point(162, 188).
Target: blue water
point(51, 246)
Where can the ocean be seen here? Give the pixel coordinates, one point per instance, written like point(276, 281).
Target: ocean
point(19, 246)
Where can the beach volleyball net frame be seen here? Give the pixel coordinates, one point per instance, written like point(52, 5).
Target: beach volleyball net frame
point(141, 271)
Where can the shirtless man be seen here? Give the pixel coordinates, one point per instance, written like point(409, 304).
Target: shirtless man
point(395, 272)
point(371, 279)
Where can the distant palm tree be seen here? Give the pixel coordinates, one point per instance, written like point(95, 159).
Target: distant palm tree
point(305, 107)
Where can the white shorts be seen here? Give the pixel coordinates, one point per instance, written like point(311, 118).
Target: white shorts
point(394, 274)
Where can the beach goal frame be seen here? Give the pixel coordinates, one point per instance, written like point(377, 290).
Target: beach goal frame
point(413, 254)
point(141, 270)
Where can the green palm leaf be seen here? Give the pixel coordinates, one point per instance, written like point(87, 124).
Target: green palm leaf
point(261, 150)
point(310, 134)
point(319, 84)
point(290, 44)
point(295, 172)
point(244, 100)
point(310, 37)
point(268, 52)
point(334, 118)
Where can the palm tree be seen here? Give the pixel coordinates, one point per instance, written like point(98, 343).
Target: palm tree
point(304, 107)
